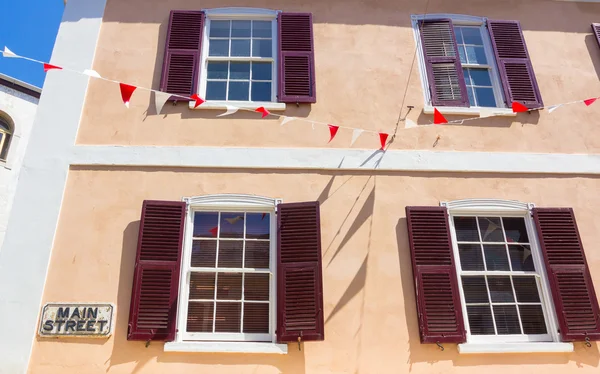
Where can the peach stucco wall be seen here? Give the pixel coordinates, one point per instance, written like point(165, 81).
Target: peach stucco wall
point(370, 313)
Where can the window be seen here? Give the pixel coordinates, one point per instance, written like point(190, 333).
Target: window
point(5, 136)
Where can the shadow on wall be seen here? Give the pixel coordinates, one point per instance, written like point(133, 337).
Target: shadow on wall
point(430, 353)
point(592, 45)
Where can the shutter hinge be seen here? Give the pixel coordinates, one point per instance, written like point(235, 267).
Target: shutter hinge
point(299, 340)
point(587, 341)
point(440, 346)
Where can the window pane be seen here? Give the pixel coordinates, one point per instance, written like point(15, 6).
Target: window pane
point(262, 29)
point(217, 70)
point(258, 225)
point(475, 55)
point(202, 286)
point(485, 97)
point(480, 77)
point(239, 70)
point(228, 317)
point(491, 229)
point(262, 48)
point(500, 289)
point(240, 28)
point(240, 47)
point(472, 35)
point(261, 91)
point(467, 77)
point(471, 96)
point(256, 287)
point(470, 257)
point(200, 316)
point(458, 34)
point(257, 255)
point(238, 91)
point(515, 229)
point(526, 289)
point(230, 253)
point(218, 47)
point(475, 290)
point(232, 225)
point(507, 320)
point(520, 258)
point(229, 286)
point(256, 318)
point(532, 318)
point(462, 54)
point(262, 71)
point(216, 90)
point(205, 224)
point(495, 257)
point(466, 229)
point(204, 253)
point(480, 320)
point(219, 29)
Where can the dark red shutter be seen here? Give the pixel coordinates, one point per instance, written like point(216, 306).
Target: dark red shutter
point(181, 64)
point(296, 58)
point(572, 289)
point(442, 61)
point(436, 284)
point(596, 30)
point(299, 273)
point(516, 71)
point(153, 306)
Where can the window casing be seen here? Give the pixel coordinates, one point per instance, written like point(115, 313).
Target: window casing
point(5, 138)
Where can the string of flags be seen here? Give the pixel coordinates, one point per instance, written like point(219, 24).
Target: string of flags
point(161, 98)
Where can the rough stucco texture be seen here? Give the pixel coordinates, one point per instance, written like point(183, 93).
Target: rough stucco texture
point(370, 313)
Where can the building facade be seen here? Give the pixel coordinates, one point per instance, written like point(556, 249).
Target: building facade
point(237, 244)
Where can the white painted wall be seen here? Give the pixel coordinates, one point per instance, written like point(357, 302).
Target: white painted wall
point(20, 108)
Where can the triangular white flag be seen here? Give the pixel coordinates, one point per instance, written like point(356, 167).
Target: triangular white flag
point(8, 53)
point(286, 119)
point(160, 99)
point(552, 108)
point(91, 73)
point(409, 124)
point(355, 134)
point(486, 112)
point(230, 110)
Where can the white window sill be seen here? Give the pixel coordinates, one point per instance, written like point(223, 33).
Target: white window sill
point(537, 347)
point(240, 104)
point(470, 111)
point(227, 347)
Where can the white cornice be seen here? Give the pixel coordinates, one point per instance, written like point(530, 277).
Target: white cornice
point(486, 205)
point(237, 200)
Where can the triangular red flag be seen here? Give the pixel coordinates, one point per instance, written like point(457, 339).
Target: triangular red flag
point(589, 102)
point(438, 118)
point(50, 67)
point(198, 100)
point(213, 231)
point(332, 131)
point(126, 92)
point(262, 110)
point(519, 108)
point(383, 138)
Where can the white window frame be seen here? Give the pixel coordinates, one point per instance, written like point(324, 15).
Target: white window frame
point(504, 208)
point(462, 20)
point(238, 13)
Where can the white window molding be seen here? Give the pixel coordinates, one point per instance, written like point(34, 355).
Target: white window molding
point(472, 348)
point(475, 111)
point(227, 347)
point(248, 105)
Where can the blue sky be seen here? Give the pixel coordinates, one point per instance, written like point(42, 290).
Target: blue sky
point(28, 28)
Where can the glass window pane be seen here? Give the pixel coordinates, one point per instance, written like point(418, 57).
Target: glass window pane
point(520, 258)
point(239, 70)
point(475, 290)
point(458, 34)
point(262, 48)
point(228, 317)
point(472, 35)
point(261, 91)
point(475, 55)
point(256, 318)
point(466, 229)
point(462, 54)
point(230, 253)
point(216, 90)
point(471, 96)
point(495, 257)
point(200, 316)
point(229, 286)
point(232, 225)
point(480, 77)
point(491, 229)
point(218, 47)
point(258, 225)
point(204, 253)
point(515, 229)
point(485, 97)
point(240, 29)
point(262, 29)
point(257, 255)
point(480, 320)
point(219, 29)
point(471, 257)
point(507, 320)
point(532, 318)
point(240, 47)
point(256, 287)
point(202, 286)
point(217, 70)
point(501, 290)
point(238, 91)
point(205, 224)
point(262, 71)
point(526, 289)
point(467, 77)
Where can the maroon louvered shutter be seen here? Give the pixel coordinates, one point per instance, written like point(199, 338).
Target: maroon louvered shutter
point(569, 276)
point(299, 273)
point(436, 284)
point(153, 306)
point(516, 71)
point(596, 30)
point(442, 61)
point(181, 64)
point(296, 58)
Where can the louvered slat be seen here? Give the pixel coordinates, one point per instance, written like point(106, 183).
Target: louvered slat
point(596, 30)
point(436, 284)
point(299, 273)
point(570, 281)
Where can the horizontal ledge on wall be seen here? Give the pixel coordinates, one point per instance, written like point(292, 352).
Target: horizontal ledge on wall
point(505, 112)
point(227, 347)
point(537, 347)
point(222, 105)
